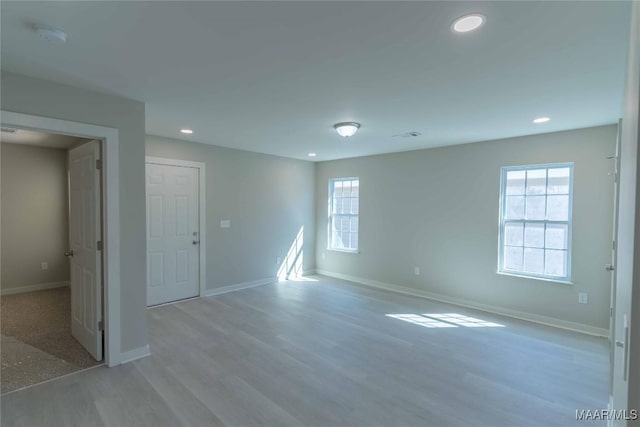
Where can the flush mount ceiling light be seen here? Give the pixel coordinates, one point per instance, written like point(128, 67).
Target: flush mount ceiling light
point(541, 120)
point(187, 131)
point(346, 129)
point(467, 23)
point(51, 34)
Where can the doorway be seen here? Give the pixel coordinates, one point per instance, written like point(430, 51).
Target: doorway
point(48, 309)
point(176, 247)
point(110, 212)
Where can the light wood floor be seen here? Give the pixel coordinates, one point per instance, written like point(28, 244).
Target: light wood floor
point(324, 353)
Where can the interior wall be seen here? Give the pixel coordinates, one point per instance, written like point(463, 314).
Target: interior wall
point(268, 200)
point(35, 226)
point(438, 209)
point(22, 94)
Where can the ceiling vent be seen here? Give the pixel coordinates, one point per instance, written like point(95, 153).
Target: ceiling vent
point(407, 135)
point(8, 130)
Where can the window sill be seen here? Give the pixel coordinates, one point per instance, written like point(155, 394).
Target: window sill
point(544, 279)
point(347, 251)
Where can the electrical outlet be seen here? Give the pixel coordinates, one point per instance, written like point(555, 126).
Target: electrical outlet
point(44, 265)
point(416, 271)
point(583, 297)
point(225, 223)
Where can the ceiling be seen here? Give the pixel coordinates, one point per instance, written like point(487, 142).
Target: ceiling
point(273, 77)
point(40, 139)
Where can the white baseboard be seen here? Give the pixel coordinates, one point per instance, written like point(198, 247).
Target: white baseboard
point(135, 354)
point(544, 320)
point(239, 286)
point(32, 288)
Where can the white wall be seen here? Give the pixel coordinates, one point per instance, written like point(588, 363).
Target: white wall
point(267, 198)
point(35, 225)
point(438, 209)
point(26, 95)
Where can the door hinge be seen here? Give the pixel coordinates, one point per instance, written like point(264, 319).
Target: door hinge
point(614, 245)
point(98, 163)
point(100, 245)
point(611, 312)
point(101, 325)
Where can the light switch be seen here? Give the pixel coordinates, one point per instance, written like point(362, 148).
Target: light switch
point(225, 223)
point(583, 297)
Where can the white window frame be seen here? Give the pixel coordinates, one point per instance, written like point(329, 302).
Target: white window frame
point(502, 221)
point(330, 245)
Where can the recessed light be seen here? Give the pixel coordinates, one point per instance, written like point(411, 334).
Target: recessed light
point(51, 34)
point(541, 120)
point(312, 154)
point(346, 129)
point(187, 131)
point(467, 23)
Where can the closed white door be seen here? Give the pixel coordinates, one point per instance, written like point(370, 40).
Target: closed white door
point(173, 235)
point(85, 238)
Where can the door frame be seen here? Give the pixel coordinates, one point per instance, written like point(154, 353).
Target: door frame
point(202, 209)
point(110, 213)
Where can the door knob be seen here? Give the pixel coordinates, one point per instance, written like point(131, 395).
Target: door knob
point(195, 242)
point(69, 254)
point(609, 267)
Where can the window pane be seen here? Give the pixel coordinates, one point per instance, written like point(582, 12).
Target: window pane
point(536, 181)
point(345, 239)
point(558, 181)
point(558, 208)
point(513, 258)
point(355, 206)
point(557, 236)
point(513, 234)
point(515, 183)
point(534, 260)
point(345, 224)
point(515, 207)
point(534, 235)
point(354, 224)
point(555, 263)
point(337, 240)
point(535, 207)
point(346, 188)
point(354, 240)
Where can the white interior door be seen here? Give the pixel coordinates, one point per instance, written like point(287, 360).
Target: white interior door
point(85, 256)
point(173, 235)
point(611, 267)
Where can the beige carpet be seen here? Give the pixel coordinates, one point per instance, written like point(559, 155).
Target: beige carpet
point(36, 342)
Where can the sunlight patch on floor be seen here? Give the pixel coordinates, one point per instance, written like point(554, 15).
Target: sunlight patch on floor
point(444, 320)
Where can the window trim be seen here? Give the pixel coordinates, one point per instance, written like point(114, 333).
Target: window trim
point(330, 215)
point(501, 223)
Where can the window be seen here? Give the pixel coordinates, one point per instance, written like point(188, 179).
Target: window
point(535, 221)
point(343, 214)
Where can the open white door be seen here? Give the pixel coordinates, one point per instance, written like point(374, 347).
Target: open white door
point(85, 251)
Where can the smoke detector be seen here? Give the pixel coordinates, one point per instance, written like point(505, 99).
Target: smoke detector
point(51, 34)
